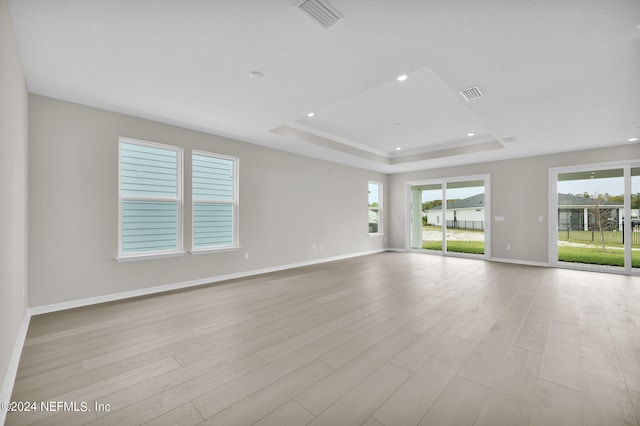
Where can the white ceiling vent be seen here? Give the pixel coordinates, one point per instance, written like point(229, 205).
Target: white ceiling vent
point(321, 11)
point(509, 140)
point(471, 94)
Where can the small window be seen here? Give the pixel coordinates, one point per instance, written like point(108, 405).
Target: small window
point(375, 208)
point(150, 199)
point(215, 201)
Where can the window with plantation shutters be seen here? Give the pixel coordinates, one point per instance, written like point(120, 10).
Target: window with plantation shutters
point(150, 199)
point(214, 195)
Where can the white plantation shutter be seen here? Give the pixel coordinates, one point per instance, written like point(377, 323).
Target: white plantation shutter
point(214, 201)
point(150, 198)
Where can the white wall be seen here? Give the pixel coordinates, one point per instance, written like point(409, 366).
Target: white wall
point(13, 197)
point(287, 202)
point(519, 191)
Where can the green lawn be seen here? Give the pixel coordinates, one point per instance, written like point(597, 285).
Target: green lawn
point(594, 256)
point(450, 230)
point(588, 255)
point(612, 239)
point(473, 247)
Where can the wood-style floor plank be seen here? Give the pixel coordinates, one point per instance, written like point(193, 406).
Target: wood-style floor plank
point(414, 398)
point(185, 415)
point(556, 405)
point(380, 340)
point(458, 404)
point(357, 405)
point(327, 391)
point(259, 404)
point(291, 413)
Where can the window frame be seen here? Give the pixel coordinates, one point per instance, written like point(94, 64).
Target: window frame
point(380, 207)
point(409, 201)
point(179, 199)
point(627, 166)
point(235, 245)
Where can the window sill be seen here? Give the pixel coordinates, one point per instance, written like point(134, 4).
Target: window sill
point(209, 250)
point(133, 258)
point(377, 234)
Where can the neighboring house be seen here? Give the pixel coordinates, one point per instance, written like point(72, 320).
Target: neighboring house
point(579, 213)
point(373, 219)
point(466, 213)
point(574, 213)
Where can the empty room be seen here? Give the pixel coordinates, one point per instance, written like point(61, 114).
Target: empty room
point(320, 212)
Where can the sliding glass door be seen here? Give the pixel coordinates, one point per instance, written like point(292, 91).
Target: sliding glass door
point(590, 212)
point(634, 200)
point(597, 225)
point(465, 217)
point(449, 215)
point(426, 217)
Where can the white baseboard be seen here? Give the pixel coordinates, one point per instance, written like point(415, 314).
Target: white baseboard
point(519, 262)
point(185, 284)
point(10, 377)
point(490, 259)
point(398, 250)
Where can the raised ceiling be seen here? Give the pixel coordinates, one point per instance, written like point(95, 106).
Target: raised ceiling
point(556, 75)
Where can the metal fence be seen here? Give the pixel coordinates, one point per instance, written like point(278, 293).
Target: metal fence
point(595, 237)
point(474, 225)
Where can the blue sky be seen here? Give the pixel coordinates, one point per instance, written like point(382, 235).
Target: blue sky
point(604, 185)
point(374, 196)
point(452, 193)
point(611, 186)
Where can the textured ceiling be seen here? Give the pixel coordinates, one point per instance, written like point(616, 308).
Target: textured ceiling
point(556, 75)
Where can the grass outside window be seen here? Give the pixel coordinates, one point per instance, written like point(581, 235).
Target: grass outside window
point(594, 256)
point(471, 247)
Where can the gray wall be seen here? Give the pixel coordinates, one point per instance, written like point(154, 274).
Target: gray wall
point(519, 191)
point(13, 191)
point(287, 202)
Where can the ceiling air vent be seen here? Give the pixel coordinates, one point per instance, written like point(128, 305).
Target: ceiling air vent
point(509, 140)
point(471, 94)
point(321, 11)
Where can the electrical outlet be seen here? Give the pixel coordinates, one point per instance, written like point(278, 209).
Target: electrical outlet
point(313, 247)
point(245, 256)
point(508, 246)
point(321, 247)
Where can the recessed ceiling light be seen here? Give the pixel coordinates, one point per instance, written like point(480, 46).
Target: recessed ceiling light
point(402, 77)
point(311, 114)
point(471, 134)
point(256, 75)
point(632, 139)
point(398, 148)
point(399, 123)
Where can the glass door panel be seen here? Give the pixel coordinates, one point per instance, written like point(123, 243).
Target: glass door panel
point(635, 219)
point(590, 218)
point(465, 217)
point(426, 217)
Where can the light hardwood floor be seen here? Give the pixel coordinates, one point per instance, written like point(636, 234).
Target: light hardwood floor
point(387, 339)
